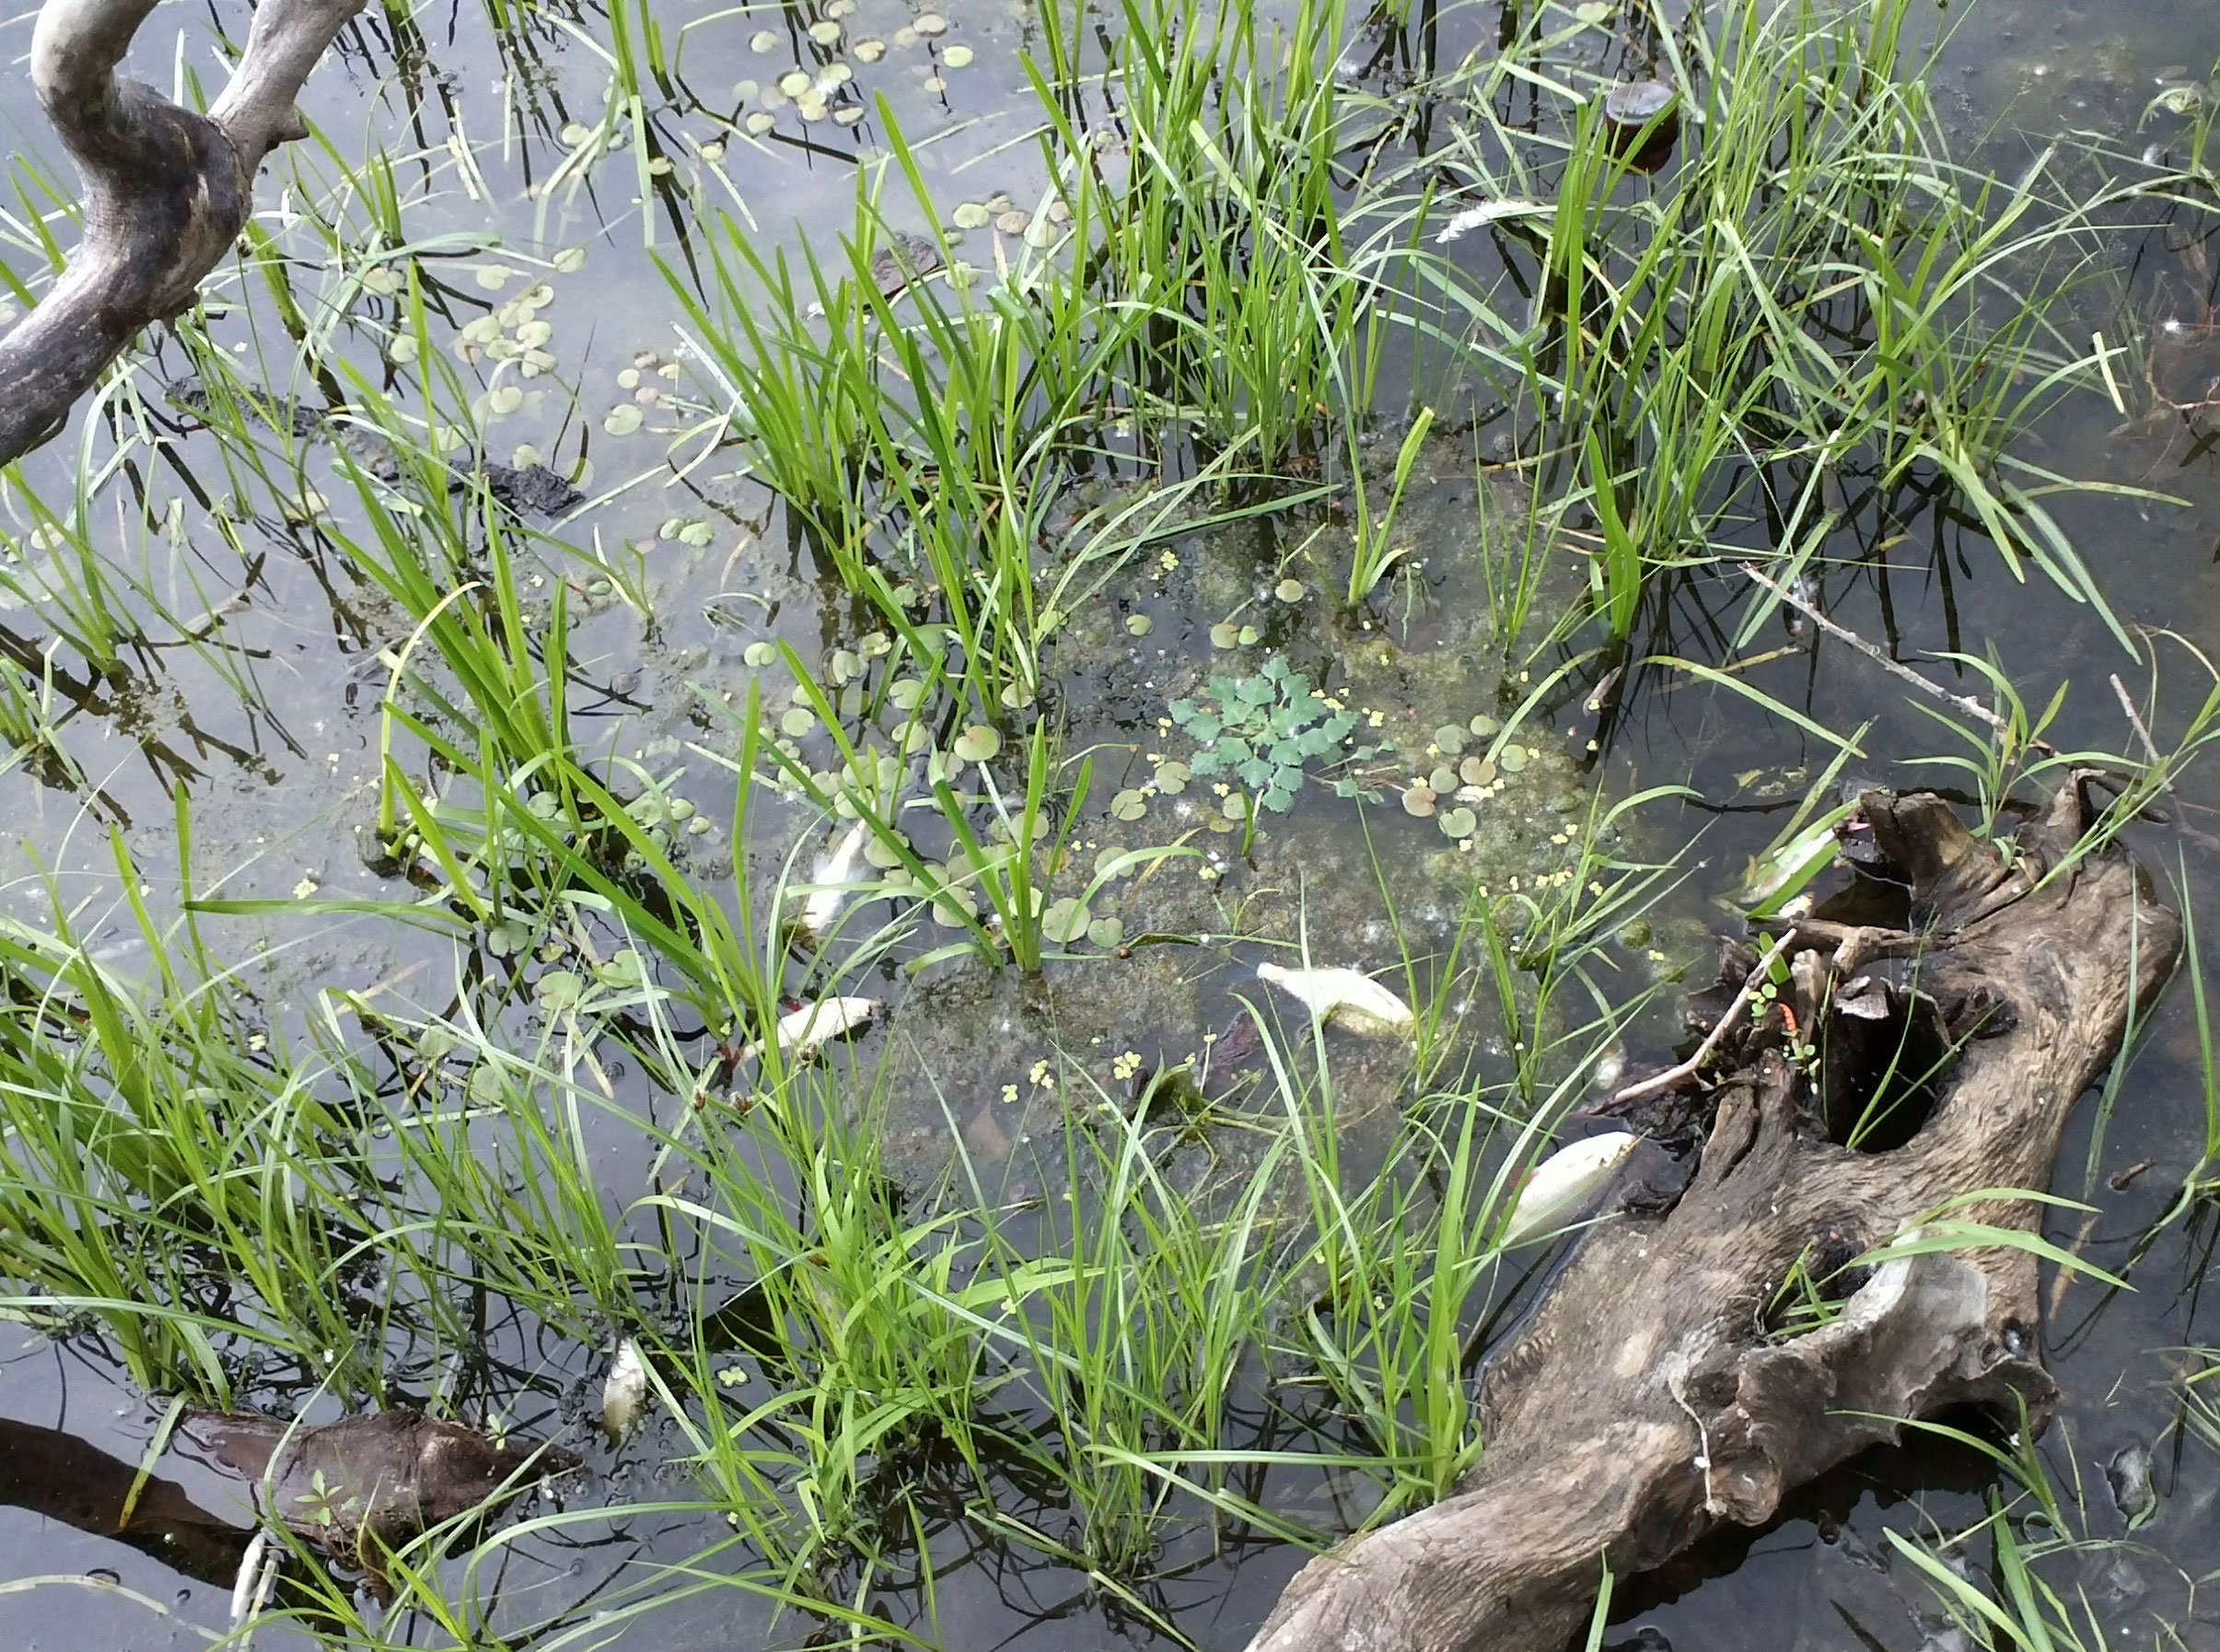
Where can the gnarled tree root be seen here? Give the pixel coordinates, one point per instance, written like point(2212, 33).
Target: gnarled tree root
point(1644, 1404)
point(167, 189)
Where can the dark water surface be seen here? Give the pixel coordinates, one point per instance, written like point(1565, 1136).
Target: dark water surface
point(282, 776)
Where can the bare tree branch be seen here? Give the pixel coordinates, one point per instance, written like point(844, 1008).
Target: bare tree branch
point(166, 190)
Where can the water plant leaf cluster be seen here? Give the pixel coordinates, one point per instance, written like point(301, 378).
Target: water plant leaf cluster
point(1264, 731)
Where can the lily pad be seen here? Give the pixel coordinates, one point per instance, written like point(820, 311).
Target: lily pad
point(798, 721)
point(1107, 933)
point(623, 419)
point(759, 655)
point(1128, 806)
point(1513, 759)
point(1460, 822)
point(1066, 921)
point(1288, 590)
point(1419, 800)
point(1225, 634)
point(1450, 738)
point(971, 215)
point(1171, 778)
point(1476, 771)
point(1139, 624)
point(977, 743)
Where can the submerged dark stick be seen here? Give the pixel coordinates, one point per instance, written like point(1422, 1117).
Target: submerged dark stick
point(1896, 669)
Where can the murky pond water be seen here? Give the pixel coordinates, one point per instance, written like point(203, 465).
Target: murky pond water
point(555, 187)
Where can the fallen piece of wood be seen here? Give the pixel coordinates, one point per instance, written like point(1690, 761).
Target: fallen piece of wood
point(1648, 1401)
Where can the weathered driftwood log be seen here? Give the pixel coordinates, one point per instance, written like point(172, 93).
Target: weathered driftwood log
point(166, 189)
point(1645, 1402)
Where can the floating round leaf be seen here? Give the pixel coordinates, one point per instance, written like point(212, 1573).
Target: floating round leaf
point(812, 106)
point(930, 23)
point(1128, 806)
point(795, 82)
point(759, 123)
point(869, 52)
point(969, 215)
point(977, 743)
point(1248, 636)
point(1139, 624)
point(1443, 779)
point(623, 419)
point(1459, 822)
point(1236, 807)
point(1066, 921)
point(1476, 771)
point(1010, 221)
point(847, 114)
point(798, 721)
point(1450, 738)
point(1485, 728)
point(904, 694)
point(696, 534)
point(956, 57)
point(1288, 590)
point(763, 42)
point(504, 398)
point(759, 654)
point(1512, 758)
point(1171, 778)
point(1418, 800)
point(1225, 634)
point(825, 32)
point(1107, 933)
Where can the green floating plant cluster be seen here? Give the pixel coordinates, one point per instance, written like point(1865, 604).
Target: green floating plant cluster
point(1261, 730)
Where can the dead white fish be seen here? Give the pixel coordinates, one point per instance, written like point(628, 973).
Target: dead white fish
point(623, 1392)
point(253, 1584)
point(1350, 997)
point(1491, 212)
point(802, 1031)
point(1557, 1191)
point(830, 886)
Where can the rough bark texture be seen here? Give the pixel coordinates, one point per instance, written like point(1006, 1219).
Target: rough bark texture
point(166, 190)
point(1642, 1405)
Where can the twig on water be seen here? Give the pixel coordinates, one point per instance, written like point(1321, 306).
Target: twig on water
point(2150, 746)
point(1694, 1064)
point(1896, 669)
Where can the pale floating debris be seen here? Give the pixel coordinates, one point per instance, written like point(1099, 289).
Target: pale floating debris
point(1555, 1191)
point(956, 57)
point(1491, 212)
point(1349, 996)
point(623, 419)
point(832, 882)
point(623, 1392)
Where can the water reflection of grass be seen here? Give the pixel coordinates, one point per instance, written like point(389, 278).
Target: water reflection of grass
point(1171, 1345)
